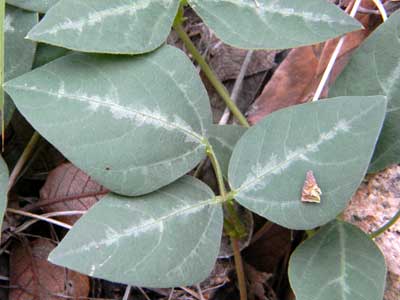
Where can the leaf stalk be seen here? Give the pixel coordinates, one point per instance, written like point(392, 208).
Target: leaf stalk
point(219, 87)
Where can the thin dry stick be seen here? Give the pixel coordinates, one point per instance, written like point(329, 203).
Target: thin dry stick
point(333, 58)
point(381, 9)
point(39, 217)
point(49, 215)
point(144, 293)
point(127, 292)
point(237, 86)
point(171, 294)
point(200, 292)
point(267, 226)
point(190, 292)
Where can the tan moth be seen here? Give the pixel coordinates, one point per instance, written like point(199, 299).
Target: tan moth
point(311, 191)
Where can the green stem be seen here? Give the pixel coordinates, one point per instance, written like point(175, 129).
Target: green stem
point(385, 227)
point(232, 225)
point(217, 169)
point(23, 159)
point(2, 17)
point(239, 269)
point(219, 87)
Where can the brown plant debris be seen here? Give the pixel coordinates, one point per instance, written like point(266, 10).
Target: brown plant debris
point(32, 277)
point(69, 188)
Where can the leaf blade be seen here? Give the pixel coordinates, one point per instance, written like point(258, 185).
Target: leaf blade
point(316, 271)
point(273, 24)
point(19, 52)
point(3, 188)
point(41, 6)
point(95, 25)
point(183, 219)
point(141, 120)
point(268, 176)
point(371, 71)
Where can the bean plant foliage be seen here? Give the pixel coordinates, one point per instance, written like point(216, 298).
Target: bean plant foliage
point(133, 113)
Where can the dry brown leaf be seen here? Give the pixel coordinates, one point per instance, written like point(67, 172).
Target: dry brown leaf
point(374, 204)
point(226, 61)
point(34, 278)
point(69, 188)
point(297, 77)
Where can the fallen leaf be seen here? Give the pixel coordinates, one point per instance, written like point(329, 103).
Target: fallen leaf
point(35, 278)
point(298, 76)
point(69, 188)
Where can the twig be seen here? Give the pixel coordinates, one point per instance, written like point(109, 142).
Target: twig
point(144, 293)
point(385, 227)
point(237, 86)
point(192, 293)
point(381, 9)
point(127, 292)
point(200, 292)
point(49, 215)
point(39, 217)
point(23, 159)
point(333, 58)
point(267, 226)
point(171, 294)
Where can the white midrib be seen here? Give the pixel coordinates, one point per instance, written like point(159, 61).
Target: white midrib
point(298, 155)
point(131, 231)
point(83, 98)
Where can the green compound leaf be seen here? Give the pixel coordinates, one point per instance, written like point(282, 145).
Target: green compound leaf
point(104, 26)
point(339, 262)
point(333, 138)
point(133, 123)
point(374, 69)
point(33, 5)
point(19, 52)
point(3, 189)
point(223, 139)
point(272, 24)
point(165, 239)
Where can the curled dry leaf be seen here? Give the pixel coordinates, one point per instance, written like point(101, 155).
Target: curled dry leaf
point(35, 278)
point(297, 77)
point(374, 204)
point(69, 188)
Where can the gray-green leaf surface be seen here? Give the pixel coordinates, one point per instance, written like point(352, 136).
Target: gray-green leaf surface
point(271, 24)
point(3, 189)
point(34, 5)
point(334, 138)
point(46, 53)
point(339, 262)
point(19, 52)
point(374, 69)
point(134, 123)
point(223, 139)
point(167, 238)
point(103, 26)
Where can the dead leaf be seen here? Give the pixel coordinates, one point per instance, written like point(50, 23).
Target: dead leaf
point(34, 278)
point(297, 77)
point(69, 188)
point(374, 204)
point(257, 284)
